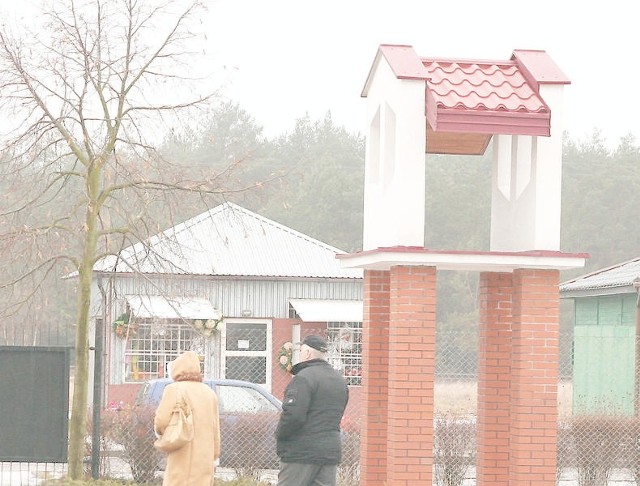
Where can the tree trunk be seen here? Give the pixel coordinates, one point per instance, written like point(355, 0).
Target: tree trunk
point(78, 423)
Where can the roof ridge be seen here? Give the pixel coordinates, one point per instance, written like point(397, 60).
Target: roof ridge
point(214, 240)
point(462, 60)
point(287, 229)
point(229, 206)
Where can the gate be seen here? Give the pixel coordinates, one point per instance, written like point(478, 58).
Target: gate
point(35, 409)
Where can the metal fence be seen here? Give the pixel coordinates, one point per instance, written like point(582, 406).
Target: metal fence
point(598, 409)
point(598, 432)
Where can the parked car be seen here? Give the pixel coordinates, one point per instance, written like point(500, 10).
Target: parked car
point(248, 418)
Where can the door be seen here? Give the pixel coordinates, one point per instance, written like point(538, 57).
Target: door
point(246, 350)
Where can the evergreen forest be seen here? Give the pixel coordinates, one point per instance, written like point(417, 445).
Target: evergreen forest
point(311, 179)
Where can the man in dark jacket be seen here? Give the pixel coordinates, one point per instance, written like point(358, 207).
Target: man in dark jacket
point(308, 434)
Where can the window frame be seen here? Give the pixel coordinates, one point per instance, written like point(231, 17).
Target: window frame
point(346, 358)
point(162, 355)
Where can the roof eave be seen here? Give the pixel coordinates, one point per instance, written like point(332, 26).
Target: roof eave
point(403, 61)
point(596, 291)
point(482, 261)
point(490, 122)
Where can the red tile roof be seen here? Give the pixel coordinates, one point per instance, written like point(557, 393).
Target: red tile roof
point(481, 86)
point(483, 97)
point(480, 96)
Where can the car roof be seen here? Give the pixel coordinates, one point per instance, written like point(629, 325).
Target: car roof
point(213, 382)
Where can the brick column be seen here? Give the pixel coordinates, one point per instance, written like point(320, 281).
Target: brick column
point(412, 341)
point(494, 379)
point(375, 376)
point(534, 371)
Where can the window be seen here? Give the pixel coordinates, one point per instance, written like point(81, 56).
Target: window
point(157, 342)
point(345, 349)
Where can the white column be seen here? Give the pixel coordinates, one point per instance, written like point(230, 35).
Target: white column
point(394, 163)
point(526, 185)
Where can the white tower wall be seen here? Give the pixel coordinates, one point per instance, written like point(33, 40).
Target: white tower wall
point(395, 156)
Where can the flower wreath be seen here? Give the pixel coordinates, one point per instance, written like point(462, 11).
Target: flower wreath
point(285, 357)
point(123, 328)
point(207, 327)
point(346, 338)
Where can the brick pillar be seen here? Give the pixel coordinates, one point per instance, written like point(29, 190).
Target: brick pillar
point(375, 375)
point(534, 371)
point(412, 341)
point(494, 379)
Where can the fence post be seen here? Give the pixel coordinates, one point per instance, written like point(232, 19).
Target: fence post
point(98, 349)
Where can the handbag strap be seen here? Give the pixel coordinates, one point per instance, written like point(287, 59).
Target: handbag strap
point(182, 398)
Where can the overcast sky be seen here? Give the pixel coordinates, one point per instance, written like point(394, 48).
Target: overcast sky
point(286, 58)
point(298, 56)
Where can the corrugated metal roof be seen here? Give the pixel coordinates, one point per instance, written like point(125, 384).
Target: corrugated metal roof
point(620, 275)
point(229, 240)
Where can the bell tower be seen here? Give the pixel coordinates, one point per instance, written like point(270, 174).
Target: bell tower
point(421, 105)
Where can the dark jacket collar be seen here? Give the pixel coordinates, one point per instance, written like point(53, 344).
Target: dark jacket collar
point(305, 364)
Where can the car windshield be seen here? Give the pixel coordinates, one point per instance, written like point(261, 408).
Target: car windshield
point(238, 399)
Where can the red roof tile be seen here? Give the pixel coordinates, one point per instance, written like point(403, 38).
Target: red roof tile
point(480, 96)
point(477, 86)
point(498, 91)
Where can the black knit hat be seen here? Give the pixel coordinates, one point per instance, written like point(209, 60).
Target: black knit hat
point(316, 342)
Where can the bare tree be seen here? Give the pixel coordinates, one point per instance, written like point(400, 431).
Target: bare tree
point(89, 93)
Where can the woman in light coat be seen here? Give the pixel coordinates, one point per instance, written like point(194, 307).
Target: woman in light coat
point(193, 464)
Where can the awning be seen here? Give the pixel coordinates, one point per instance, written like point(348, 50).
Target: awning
point(314, 310)
point(150, 306)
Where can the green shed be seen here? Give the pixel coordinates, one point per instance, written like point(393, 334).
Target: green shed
point(606, 368)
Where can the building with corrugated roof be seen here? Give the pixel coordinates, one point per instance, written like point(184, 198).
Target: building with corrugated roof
point(235, 287)
point(605, 328)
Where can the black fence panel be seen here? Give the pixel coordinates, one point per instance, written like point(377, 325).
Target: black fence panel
point(34, 403)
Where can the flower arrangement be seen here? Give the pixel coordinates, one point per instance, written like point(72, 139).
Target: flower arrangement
point(123, 328)
point(345, 339)
point(207, 327)
point(285, 357)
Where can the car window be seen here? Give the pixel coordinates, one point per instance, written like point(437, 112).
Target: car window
point(239, 399)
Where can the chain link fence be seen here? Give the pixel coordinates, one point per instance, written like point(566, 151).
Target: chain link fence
point(598, 429)
point(598, 409)
point(248, 420)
